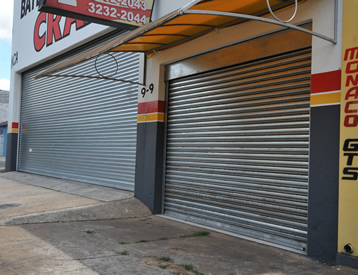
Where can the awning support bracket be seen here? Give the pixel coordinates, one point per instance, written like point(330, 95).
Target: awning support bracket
point(102, 76)
point(278, 19)
point(95, 77)
point(271, 21)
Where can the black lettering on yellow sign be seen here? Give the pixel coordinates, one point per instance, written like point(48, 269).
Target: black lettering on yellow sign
point(350, 149)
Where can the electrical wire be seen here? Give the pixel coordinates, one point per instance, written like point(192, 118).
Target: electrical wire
point(116, 62)
point(278, 19)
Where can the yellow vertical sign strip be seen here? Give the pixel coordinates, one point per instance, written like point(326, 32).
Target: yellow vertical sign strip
point(348, 182)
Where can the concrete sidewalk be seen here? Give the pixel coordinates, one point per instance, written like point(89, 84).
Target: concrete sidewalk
point(27, 198)
point(2, 163)
point(51, 226)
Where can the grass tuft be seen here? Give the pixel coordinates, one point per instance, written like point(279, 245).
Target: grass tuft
point(163, 266)
point(201, 233)
point(188, 267)
point(123, 242)
point(195, 234)
point(163, 239)
point(165, 259)
point(90, 232)
point(124, 253)
point(142, 241)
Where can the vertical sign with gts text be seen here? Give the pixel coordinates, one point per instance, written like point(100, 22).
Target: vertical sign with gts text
point(348, 182)
point(125, 14)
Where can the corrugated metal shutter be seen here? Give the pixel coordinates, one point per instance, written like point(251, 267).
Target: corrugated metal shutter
point(237, 149)
point(82, 129)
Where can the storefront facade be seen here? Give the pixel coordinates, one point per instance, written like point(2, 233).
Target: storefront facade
point(72, 128)
point(3, 137)
point(238, 128)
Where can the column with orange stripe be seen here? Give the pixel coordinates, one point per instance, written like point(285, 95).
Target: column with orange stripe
point(326, 89)
point(13, 127)
point(323, 165)
point(152, 111)
point(150, 142)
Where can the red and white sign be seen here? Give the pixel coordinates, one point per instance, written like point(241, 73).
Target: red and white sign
point(118, 13)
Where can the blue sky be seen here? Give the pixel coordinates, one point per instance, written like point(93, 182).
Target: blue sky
point(5, 43)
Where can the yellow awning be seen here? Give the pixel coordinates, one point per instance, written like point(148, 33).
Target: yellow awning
point(194, 20)
point(179, 27)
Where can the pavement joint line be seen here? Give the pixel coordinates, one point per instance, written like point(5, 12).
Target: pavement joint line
point(60, 210)
point(49, 212)
point(76, 213)
point(51, 189)
point(20, 185)
point(25, 182)
point(97, 257)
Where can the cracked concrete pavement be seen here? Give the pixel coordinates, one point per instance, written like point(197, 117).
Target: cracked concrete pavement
point(64, 227)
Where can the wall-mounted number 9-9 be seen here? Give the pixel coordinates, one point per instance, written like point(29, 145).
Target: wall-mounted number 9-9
point(144, 90)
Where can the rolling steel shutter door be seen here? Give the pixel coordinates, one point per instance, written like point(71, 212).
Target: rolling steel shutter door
point(237, 149)
point(81, 129)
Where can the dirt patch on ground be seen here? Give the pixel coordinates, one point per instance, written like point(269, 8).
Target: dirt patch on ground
point(169, 265)
point(177, 250)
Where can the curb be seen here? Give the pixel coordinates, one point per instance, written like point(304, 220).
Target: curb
point(121, 209)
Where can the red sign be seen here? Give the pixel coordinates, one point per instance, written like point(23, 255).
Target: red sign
point(126, 14)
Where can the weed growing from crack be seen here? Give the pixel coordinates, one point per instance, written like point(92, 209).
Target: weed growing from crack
point(124, 253)
point(168, 264)
point(201, 233)
point(142, 241)
point(190, 267)
point(90, 232)
point(195, 234)
point(163, 239)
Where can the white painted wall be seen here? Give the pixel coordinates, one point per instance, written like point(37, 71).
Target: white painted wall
point(163, 7)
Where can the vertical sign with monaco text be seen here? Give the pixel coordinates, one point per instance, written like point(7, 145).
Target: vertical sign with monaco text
point(126, 14)
point(348, 184)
